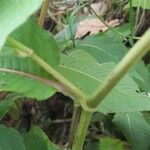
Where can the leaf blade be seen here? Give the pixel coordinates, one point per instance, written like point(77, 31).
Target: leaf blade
point(36, 139)
point(10, 139)
point(12, 9)
point(87, 74)
point(135, 129)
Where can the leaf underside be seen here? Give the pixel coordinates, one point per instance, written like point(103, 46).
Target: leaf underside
point(88, 74)
point(36, 139)
point(10, 139)
point(14, 13)
point(135, 129)
point(6, 103)
point(79, 67)
point(23, 76)
point(19, 73)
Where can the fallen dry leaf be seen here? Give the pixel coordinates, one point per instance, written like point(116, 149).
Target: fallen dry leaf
point(94, 26)
point(101, 7)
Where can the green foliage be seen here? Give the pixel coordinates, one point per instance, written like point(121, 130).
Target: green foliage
point(148, 66)
point(36, 139)
point(114, 51)
point(111, 144)
point(92, 145)
point(105, 143)
point(31, 35)
point(145, 4)
point(17, 70)
point(6, 103)
point(10, 139)
point(14, 13)
point(77, 74)
point(144, 77)
point(95, 45)
point(64, 35)
point(135, 128)
point(87, 74)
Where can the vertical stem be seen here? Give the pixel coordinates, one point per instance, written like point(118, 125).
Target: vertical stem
point(74, 123)
point(131, 17)
point(81, 130)
point(43, 13)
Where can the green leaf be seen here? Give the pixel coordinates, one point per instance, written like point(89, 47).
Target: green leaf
point(36, 139)
point(10, 139)
point(64, 35)
point(148, 66)
point(111, 144)
point(92, 145)
point(145, 4)
point(14, 13)
point(135, 128)
point(87, 74)
point(96, 46)
point(6, 103)
point(23, 76)
point(106, 143)
point(113, 51)
point(124, 101)
point(39, 40)
point(19, 73)
point(143, 80)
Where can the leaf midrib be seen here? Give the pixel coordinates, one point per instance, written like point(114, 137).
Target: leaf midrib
point(99, 49)
point(43, 80)
point(101, 81)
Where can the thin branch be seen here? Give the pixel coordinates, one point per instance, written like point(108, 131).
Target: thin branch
point(43, 13)
point(59, 121)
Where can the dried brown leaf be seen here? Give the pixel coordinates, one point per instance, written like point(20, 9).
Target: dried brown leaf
point(94, 26)
point(101, 7)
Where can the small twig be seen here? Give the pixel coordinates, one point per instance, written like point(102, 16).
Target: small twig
point(43, 13)
point(61, 121)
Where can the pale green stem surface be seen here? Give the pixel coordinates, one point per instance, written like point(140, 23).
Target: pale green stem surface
point(82, 130)
point(74, 124)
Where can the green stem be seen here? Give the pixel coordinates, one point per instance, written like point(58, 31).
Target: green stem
point(69, 87)
point(72, 20)
point(43, 13)
point(82, 130)
point(132, 57)
point(131, 16)
point(74, 123)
